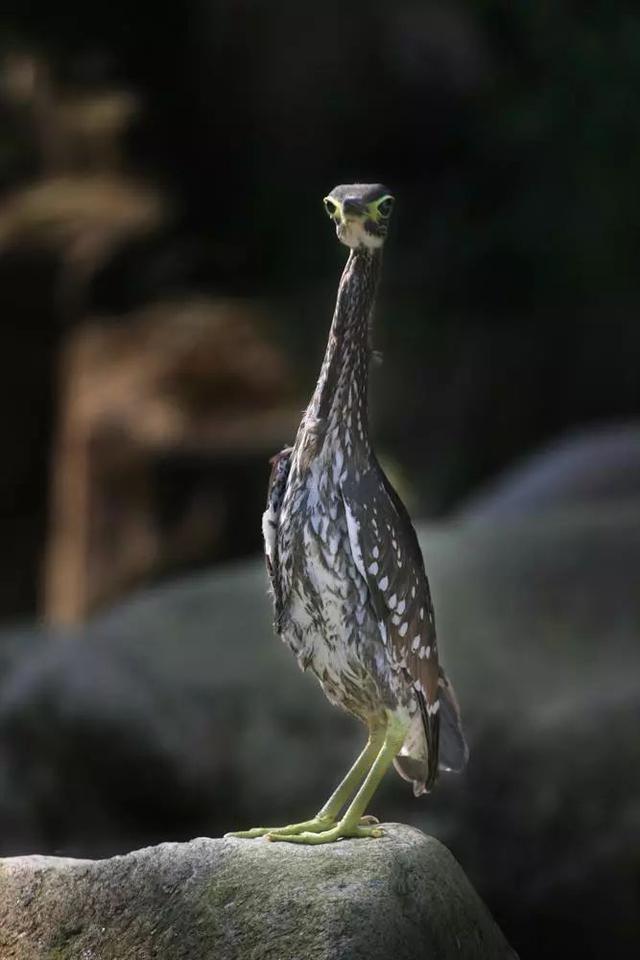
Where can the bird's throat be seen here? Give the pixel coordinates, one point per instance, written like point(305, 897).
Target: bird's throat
point(339, 407)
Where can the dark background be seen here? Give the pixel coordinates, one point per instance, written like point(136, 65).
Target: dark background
point(508, 314)
point(508, 133)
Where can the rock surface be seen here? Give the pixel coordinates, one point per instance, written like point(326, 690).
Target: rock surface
point(403, 896)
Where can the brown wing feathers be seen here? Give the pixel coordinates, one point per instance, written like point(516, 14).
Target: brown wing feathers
point(393, 568)
point(280, 464)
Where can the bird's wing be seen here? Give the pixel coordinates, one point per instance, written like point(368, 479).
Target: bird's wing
point(386, 551)
point(280, 465)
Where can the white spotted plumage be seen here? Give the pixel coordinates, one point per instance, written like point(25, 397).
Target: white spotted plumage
point(350, 591)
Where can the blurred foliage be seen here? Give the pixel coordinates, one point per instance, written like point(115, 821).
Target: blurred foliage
point(508, 131)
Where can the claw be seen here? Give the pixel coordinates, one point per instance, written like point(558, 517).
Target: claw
point(248, 834)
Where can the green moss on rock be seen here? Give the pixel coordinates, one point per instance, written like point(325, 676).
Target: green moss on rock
point(402, 896)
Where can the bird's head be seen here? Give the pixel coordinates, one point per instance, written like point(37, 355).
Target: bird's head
point(361, 212)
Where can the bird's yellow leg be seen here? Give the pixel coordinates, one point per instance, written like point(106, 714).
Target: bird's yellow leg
point(356, 774)
point(351, 824)
point(327, 816)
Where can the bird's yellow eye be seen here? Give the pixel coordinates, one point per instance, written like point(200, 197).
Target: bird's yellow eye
point(385, 206)
point(330, 206)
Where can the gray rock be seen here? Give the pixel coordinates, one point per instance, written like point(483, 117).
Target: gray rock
point(593, 466)
point(403, 896)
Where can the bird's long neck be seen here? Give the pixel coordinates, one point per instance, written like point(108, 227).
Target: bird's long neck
point(339, 406)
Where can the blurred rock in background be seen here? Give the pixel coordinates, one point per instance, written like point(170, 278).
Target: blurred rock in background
point(586, 469)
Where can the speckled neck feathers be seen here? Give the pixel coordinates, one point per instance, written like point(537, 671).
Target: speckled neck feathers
point(338, 407)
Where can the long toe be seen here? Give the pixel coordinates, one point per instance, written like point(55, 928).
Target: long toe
point(315, 825)
point(250, 834)
point(339, 832)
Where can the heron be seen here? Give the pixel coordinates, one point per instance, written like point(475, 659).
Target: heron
point(350, 593)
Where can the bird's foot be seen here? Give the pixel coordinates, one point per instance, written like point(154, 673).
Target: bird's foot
point(316, 826)
point(343, 830)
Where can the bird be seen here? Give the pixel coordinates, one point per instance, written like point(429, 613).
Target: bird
point(350, 594)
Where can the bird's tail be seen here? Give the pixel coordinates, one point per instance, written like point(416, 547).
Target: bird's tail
point(412, 763)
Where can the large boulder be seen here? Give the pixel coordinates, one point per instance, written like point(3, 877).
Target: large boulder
point(403, 896)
